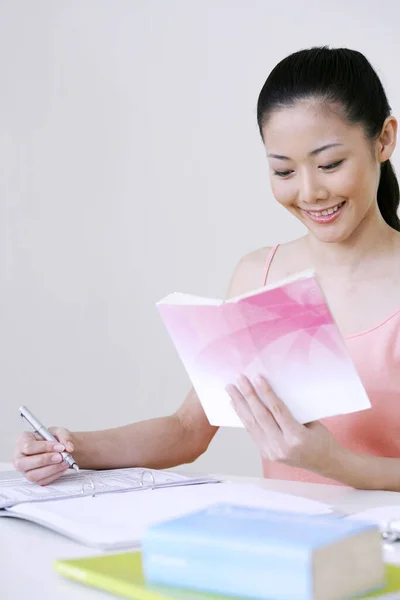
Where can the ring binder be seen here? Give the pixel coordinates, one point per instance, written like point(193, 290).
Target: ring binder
point(390, 531)
point(142, 479)
point(88, 481)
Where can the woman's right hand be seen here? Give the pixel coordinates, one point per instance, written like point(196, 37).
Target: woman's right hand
point(40, 461)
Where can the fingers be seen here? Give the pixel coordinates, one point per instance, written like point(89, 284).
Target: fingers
point(255, 417)
point(277, 434)
point(249, 408)
point(39, 467)
point(28, 445)
point(27, 463)
point(52, 478)
point(44, 475)
point(257, 404)
point(241, 407)
point(39, 460)
point(64, 437)
point(277, 408)
point(259, 410)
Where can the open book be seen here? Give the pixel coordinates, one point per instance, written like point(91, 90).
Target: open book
point(116, 520)
point(17, 490)
point(284, 332)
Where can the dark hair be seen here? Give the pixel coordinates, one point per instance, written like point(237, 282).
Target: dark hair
point(338, 76)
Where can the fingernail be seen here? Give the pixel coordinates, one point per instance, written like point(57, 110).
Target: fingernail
point(242, 381)
point(70, 446)
point(56, 458)
point(58, 447)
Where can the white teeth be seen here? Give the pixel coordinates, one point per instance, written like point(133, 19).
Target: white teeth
point(325, 213)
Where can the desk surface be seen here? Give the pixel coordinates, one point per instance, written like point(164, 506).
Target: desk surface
point(27, 551)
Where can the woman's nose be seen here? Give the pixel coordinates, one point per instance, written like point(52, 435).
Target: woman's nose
point(311, 191)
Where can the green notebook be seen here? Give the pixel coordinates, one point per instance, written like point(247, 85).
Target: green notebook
point(122, 575)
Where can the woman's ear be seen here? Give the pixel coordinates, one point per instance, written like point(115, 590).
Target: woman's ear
point(387, 139)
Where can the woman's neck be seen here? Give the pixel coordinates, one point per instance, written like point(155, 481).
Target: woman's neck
point(367, 244)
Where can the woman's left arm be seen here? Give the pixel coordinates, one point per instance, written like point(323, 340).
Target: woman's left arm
point(281, 438)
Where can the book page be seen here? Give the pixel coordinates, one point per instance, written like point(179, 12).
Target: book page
point(379, 515)
point(181, 299)
point(14, 491)
point(120, 520)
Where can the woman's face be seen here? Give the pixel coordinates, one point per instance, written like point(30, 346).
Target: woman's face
point(323, 170)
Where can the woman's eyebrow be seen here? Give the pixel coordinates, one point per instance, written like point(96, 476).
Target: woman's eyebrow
point(312, 153)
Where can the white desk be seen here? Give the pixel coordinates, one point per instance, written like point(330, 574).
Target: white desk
point(27, 551)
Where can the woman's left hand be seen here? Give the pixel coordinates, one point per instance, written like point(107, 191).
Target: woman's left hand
point(278, 435)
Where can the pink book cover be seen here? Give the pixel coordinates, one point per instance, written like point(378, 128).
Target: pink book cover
point(285, 332)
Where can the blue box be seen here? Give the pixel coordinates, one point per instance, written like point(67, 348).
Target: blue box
point(258, 553)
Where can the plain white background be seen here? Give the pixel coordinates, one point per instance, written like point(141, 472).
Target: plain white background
point(131, 167)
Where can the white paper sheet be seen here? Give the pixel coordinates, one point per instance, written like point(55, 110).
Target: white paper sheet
point(379, 515)
point(14, 491)
point(114, 521)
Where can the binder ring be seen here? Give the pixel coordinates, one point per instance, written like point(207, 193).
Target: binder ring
point(88, 483)
point(143, 479)
point(391, 531)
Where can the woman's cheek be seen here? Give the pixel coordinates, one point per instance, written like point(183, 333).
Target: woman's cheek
point(284, 193)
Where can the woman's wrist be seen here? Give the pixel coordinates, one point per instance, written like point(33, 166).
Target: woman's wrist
point(80, 451)
point(339, 465)
point(364, 471)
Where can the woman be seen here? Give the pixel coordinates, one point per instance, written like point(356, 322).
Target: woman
point(328, 132)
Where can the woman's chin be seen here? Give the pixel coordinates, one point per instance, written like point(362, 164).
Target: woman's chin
point(330, 235)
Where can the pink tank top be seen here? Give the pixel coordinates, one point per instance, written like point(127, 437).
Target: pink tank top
point(376, 431)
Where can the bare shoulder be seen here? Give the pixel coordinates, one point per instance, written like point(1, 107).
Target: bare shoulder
point(248, 274)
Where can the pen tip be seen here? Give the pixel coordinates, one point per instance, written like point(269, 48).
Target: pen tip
point(75, 467)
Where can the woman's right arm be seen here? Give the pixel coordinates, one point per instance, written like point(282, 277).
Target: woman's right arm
point(158, 443)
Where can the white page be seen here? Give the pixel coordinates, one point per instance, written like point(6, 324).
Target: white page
point(379, 515)
point(114, 521)
point(179, 299)
point(14, 491)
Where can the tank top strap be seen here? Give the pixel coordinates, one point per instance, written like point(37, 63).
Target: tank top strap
point(268, 262)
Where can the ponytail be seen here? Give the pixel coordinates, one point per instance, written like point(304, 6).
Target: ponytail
point(389, 195)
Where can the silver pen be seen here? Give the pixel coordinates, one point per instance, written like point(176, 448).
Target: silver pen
point(45, 434)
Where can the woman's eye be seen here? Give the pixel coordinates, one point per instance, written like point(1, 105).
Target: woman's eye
point(283, 173)
point(331, 166)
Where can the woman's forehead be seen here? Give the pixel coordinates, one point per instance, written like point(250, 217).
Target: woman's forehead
point(305, 127)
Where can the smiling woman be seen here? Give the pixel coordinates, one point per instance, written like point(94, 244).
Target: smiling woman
point(326, 124)
point(329, 134)
point(334, 182)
